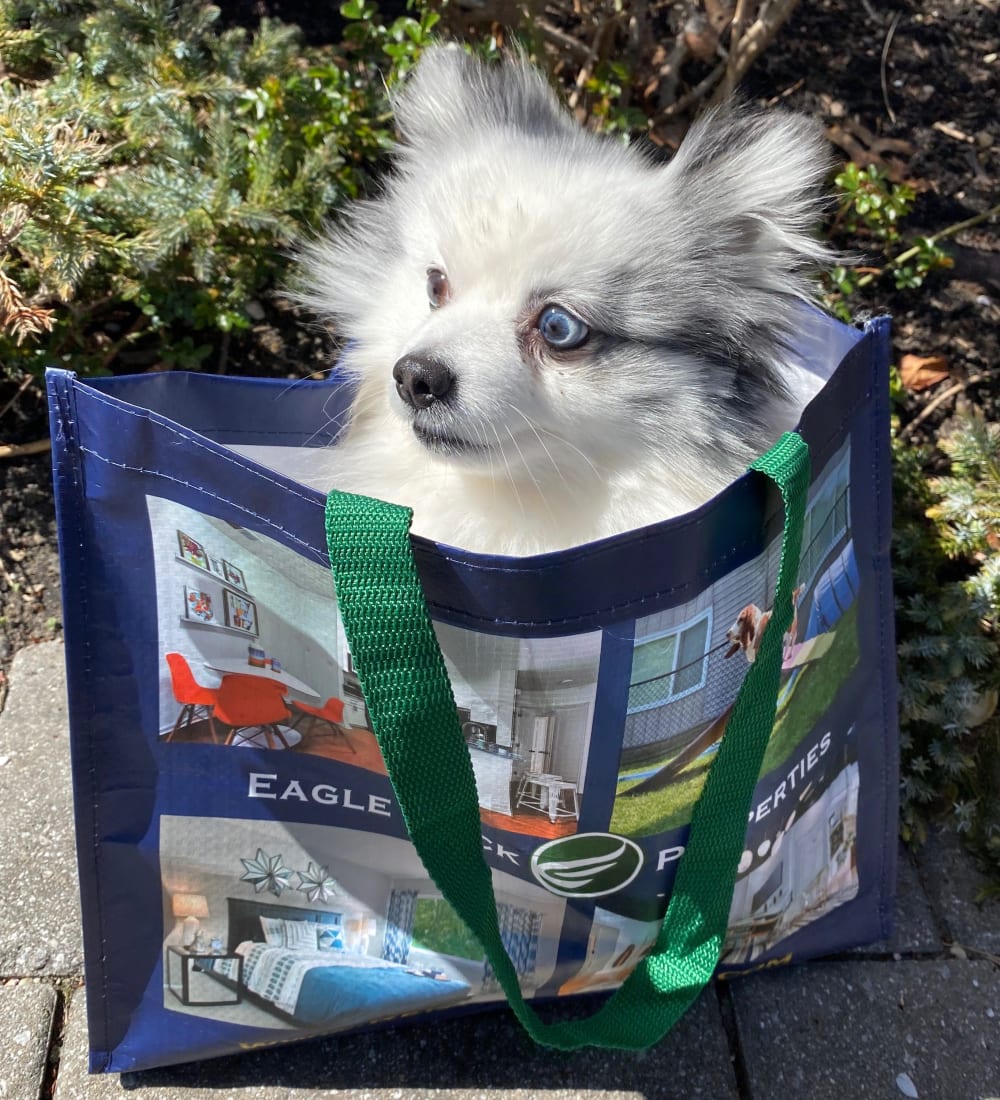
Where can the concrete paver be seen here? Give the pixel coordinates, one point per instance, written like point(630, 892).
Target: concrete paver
point(953, 883)
point(483, 1057)
point(837, 1030)
point(26, 1014)
point(40, 932)
point(914, 931)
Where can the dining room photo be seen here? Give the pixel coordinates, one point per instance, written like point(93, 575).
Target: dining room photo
point(251, 649)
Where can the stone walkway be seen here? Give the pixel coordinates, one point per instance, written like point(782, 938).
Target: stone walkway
point(918, 1016)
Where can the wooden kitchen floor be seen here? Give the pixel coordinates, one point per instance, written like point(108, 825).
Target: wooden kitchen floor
point(321, 741)
point(530, 823)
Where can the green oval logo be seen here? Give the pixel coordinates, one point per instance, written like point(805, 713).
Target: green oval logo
point(588, 865)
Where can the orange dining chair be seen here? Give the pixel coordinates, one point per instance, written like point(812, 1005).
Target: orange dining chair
point(245, 701)
point(189, 693)
point(331, 713)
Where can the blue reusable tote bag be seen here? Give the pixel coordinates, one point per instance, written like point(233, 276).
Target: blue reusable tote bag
point(247, 872)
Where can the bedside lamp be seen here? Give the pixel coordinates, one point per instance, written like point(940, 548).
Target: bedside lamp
point(190, 908)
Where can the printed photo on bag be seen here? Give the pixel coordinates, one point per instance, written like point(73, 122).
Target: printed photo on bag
point(689, 663)
point(220, 682)
point(286, 926)
point(802, 866)
point(687, 667)
point(527, 708)
point(615, 948)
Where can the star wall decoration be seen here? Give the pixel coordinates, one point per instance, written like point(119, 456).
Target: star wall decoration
point(316, 883)
point(266, 873)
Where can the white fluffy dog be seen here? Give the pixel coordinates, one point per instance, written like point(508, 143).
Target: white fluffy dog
point(556, 338)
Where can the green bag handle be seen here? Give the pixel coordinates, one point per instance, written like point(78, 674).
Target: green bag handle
point(413, 712)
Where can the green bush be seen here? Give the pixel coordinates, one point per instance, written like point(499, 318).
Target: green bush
point(947, 577)
point(157, 167)
point(946, 550)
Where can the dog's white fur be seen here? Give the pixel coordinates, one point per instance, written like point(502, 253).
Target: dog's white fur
point(690, 276)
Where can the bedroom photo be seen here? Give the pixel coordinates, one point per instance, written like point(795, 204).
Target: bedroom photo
point(317, 929)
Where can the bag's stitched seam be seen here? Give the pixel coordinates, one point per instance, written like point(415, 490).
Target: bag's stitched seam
point(192, 437)
point(70, 425)
point(888, 827)
point(627, 606)
point(215, 496)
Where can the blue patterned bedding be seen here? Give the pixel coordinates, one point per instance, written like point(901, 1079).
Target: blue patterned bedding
point(320, 987)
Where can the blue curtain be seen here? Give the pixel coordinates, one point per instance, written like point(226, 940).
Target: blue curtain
point(519, 931)
point(399, 926)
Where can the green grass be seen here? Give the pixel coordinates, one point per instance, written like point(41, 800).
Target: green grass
point(662, 810)
point(437, 928)
point(814, 691)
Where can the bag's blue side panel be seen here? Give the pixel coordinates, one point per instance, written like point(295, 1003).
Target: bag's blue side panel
point(882, 814)
point(102, 694)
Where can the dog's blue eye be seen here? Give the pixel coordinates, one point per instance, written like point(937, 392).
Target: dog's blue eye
point(560, 329)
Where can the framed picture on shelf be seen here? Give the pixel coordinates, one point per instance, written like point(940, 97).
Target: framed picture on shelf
point(233, 575)
point(192, 551)
point(216, 566)
point(198, 605)
point(241, 613)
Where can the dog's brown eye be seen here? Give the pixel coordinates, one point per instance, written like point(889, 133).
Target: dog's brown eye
point(438, 291)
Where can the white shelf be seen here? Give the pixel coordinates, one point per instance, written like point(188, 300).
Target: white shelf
point(219, 626)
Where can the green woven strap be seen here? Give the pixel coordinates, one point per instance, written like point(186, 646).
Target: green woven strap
point(414, 716)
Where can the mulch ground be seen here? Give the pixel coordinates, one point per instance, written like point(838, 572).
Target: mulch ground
point(911, 88)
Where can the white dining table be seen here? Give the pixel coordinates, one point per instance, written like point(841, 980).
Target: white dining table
point(239, 667)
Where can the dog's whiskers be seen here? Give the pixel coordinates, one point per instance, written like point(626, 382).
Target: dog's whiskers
point(481, 438)
point(573, 447)
point(534, 481)
point(510, 474)
point(541, 443)
point(313, 377)
point(328, 424)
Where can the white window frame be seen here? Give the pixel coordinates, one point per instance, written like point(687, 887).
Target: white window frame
point(702, 616)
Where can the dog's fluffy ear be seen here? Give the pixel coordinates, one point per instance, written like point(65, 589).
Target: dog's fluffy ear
point(451, 94)
point(754, 180)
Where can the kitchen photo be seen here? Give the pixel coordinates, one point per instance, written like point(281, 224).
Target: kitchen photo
point(252, 649)
point(526, 706)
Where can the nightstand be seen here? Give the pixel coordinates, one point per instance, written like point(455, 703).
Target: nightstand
point(185, 977)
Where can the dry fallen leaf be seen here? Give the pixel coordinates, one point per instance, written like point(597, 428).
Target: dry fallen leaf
point(918, 372)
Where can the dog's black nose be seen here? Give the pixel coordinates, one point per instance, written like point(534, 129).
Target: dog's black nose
point(420, 380)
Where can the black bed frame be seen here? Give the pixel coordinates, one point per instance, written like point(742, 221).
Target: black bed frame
point(244, 924)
